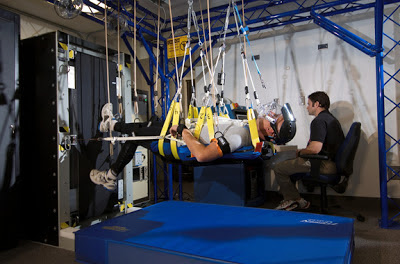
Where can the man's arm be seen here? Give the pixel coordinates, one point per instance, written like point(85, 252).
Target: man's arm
point(200, 151)
point(314, 147)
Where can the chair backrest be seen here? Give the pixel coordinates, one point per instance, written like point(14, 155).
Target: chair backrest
point(347, 151)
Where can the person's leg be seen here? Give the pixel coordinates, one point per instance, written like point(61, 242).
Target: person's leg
point(291, 195)
point(139, 129)
point(328, 167)
point(124, 157)
point(108, 178)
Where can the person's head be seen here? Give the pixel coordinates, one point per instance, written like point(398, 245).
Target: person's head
point(317, 102)
point(265, 130)
point(281, 129)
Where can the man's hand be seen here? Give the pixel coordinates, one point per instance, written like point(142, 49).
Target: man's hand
point(314, 147)
point(174, 130)
point(200, 151)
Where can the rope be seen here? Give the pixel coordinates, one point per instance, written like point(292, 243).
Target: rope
point(107, 68)
point(244, 31)
point(137, 138)
point(135, 102)
point(202, 23)
point(173, 43)
point(211, 62)
point(158, 54)
point(119, 63)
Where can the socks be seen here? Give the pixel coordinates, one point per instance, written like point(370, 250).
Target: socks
point(111, 175)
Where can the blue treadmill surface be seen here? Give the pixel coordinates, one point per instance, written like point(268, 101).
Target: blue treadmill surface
point(186, 232)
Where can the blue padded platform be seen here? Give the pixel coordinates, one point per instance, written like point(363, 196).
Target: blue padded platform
point(244, 153)
point(185, 232)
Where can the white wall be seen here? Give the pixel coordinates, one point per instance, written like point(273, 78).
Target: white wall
point(292, 67)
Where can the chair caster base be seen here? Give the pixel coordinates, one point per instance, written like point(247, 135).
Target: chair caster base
point(360, 218)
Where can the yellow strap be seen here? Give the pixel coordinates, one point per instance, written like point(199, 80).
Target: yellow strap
point(175, 121)
point(200, 122)
point(221, 114)
point(272, 147)
point(253, 127)
point(210, 123)
point(165, 128)
point(193, 112)
point(190, 114)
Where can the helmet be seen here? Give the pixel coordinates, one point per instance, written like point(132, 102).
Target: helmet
point(288, 127)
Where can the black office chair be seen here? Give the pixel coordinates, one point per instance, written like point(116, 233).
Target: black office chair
point(344, 165)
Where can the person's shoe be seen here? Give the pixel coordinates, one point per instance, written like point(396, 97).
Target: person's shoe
point(105, 178)
point(285, 204)
point(300, 204)
point(107, 118)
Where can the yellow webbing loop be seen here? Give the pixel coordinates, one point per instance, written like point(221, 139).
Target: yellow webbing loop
point(253, 127)
point(175, 121)
point(193, 112)
point(190, 114)
point(165, 128)
point(200, 122)
point(221, 114)
point(210, 123)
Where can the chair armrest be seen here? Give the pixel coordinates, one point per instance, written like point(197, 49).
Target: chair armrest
point(314, 156)
point(315, 161)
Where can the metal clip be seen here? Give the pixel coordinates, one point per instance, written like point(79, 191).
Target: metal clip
point(67, 142)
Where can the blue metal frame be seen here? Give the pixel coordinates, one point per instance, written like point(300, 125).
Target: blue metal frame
point(264, 16)
point(386, 220)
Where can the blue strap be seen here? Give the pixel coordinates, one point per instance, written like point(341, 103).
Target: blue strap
point(244, 153)
point(244, 30)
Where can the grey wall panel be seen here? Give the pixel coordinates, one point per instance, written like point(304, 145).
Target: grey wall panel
point(50, 112)
point(9, 127)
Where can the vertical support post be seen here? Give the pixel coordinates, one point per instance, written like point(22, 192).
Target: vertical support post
point(126, 91)
point(60, 88)
point(381, 112)
point(180, 181)
point(162, 90)
point(167, 100)
point(170, 182)
point(151, 73)
point(155, 174)
point(165, 180)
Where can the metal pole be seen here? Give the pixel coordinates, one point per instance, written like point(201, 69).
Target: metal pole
point(166, 71)
point(151, 66)
point(180, 181)
point(170, 182)
point(381, 112)
point(155, 174)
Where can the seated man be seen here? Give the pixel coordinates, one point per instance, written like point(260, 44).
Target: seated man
point(326, 136)
point(230, 136)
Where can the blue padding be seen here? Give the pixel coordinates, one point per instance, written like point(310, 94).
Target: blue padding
point(230, 112)
point(175, 232)
point(244, 153)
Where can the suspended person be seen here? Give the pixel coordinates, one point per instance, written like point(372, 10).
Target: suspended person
point(231, 135)
point(326, 136)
